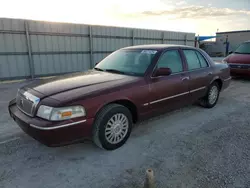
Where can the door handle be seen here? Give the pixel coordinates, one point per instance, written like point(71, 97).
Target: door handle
point(185, 78)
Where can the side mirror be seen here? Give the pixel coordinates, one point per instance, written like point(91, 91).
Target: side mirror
point(162, 72)
point(230, 52)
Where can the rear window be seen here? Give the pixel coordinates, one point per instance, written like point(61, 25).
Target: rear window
point(195, 60)
point(202, 60)
point(192, 59)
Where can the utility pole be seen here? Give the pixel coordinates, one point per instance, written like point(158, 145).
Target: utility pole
point(227, 45)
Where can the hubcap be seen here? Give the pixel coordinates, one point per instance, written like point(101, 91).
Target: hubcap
point(213, 95)
point(116, 128)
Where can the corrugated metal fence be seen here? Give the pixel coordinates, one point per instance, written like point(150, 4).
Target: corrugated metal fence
point(31, 49)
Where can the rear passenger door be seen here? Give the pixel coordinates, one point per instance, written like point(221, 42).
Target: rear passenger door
point(200, 73)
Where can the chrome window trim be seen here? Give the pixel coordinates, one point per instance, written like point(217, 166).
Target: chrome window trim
point(180, 72)
point(59, 126)
point(196, 69)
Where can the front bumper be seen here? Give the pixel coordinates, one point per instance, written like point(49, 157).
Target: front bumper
point(52, 133)
point(239, 72)
point(239, 69)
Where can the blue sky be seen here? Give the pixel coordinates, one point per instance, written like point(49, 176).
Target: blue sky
point(202, 17)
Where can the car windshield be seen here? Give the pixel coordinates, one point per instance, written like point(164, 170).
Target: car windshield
point(243, 48)
point(129, 62)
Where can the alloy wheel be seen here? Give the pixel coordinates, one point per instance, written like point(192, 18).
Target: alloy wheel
point(213, 94)
point(116, 128)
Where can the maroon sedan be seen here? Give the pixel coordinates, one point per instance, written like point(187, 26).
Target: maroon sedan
point(129, 85)
point(239, 60)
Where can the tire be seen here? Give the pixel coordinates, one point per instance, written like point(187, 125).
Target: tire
point(105, 121)
point(207, 101)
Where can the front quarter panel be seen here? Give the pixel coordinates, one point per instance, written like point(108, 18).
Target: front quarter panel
point(137, 94)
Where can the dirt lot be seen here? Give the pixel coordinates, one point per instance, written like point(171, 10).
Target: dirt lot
point(191, 147)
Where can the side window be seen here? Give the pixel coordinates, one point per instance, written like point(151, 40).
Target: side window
point(171, 59)
point(203, 62)
point(192, 59)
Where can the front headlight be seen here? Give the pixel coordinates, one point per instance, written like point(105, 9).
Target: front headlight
point(57, 114)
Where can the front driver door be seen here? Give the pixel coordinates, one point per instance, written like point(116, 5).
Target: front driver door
point(169, 92)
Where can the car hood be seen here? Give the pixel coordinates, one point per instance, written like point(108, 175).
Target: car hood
point(238, 58)
point(56, 85)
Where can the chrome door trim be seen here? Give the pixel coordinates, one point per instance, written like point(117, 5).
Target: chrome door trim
point(59, 126)
point(163, 99)
point(198, 89)
point(174, 96)
point(227, 79)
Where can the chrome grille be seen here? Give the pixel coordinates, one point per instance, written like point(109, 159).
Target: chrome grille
point(26, 102)
point(239, 66)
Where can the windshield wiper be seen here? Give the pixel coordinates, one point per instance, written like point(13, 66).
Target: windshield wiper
point(98, 69)
point(110, 70)
point(115, 71)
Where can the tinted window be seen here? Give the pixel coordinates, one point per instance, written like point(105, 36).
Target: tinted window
point(171, 59)
point(243, 49)
point(203, 62)
point(131, 62)
point(192, 59)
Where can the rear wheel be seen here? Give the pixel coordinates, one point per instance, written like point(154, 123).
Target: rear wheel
point(112, 127)
point(212, 96)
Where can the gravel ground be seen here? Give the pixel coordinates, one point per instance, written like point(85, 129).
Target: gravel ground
point(190, 147)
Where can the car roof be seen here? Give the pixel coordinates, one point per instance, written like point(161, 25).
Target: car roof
point(158, 46)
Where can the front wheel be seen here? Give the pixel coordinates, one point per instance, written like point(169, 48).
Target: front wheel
point(112, 127)
point(212, 96)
